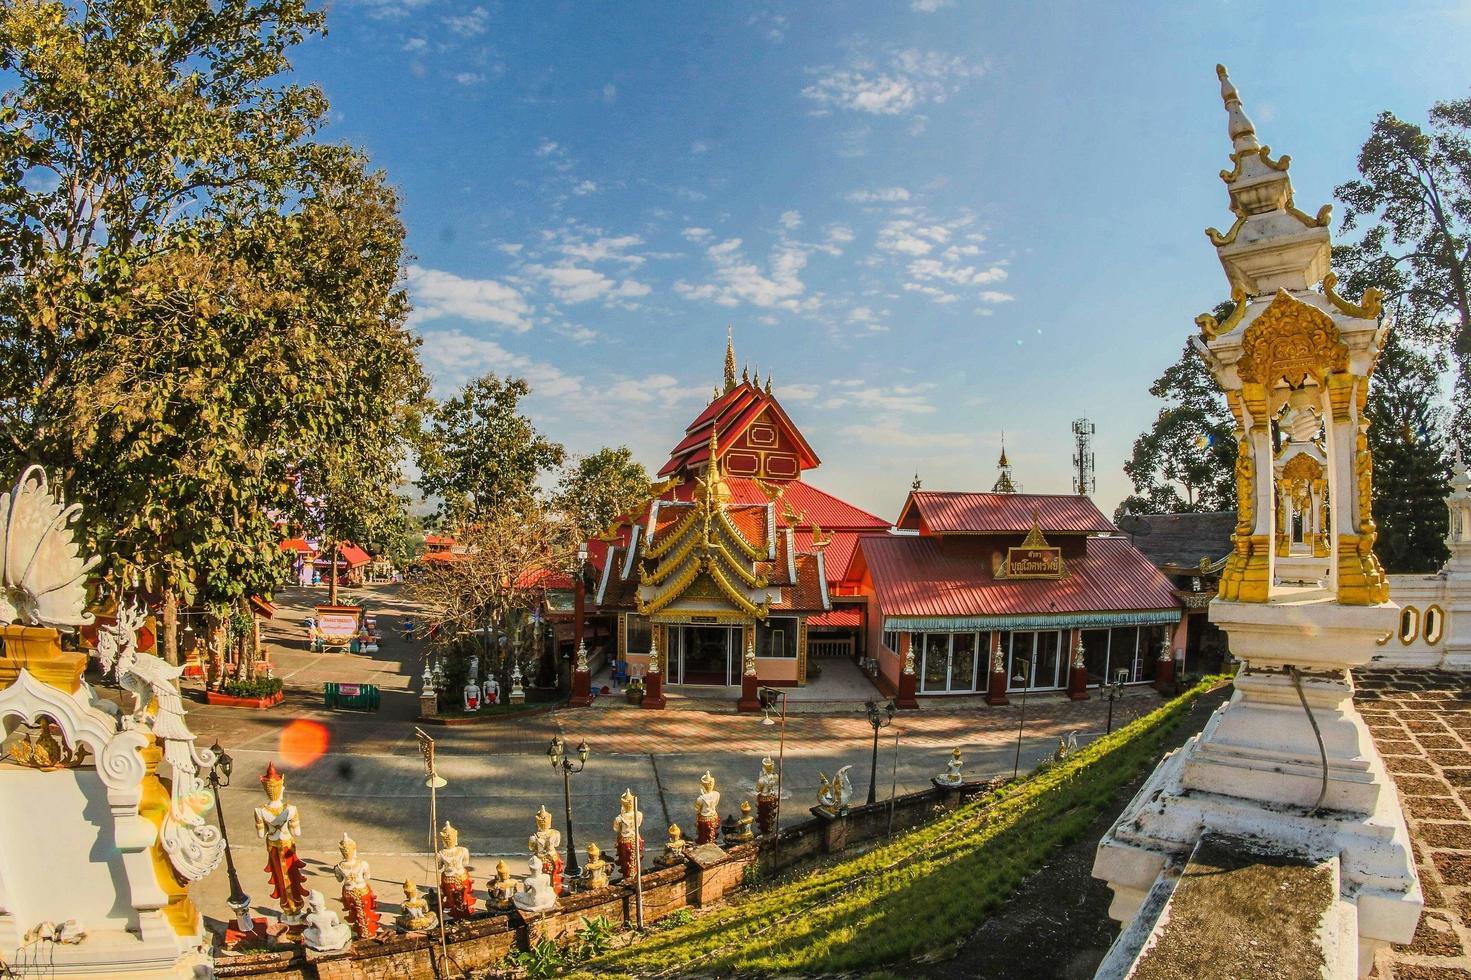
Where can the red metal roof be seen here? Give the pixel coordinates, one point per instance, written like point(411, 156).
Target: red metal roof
point(843, 617)
point(298, 545)
point(914, 576)
point(728, 416)
point(838, 556)
point(352, 554)
point(948, 512)
point(263, 606)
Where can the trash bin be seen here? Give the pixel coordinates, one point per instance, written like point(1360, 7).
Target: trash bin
point(350, 697)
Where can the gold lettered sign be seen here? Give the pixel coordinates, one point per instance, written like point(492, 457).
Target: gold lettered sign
point(1034, 559)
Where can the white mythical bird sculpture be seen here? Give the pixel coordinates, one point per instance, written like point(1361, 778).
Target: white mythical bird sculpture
point(195, 847)
point(837, 794)
point(43, 578)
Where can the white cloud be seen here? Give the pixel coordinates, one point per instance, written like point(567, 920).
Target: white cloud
point(910, 237)
point(993, 296)
point(416, 45)
point(902, 399)
point(699, 147)
point(928, 6)
point(886, 433)
point(604, 249)
point(697, 234)
point(738, 280)
point(511, 248)
point(879, 195)
point(960, 275)
point(797, 392)
point(610, 93)
point(791, 220)
point(907, 79)
point(938, 295)
point(577, 333)
point(391, 9)
point(437, 294)
point(453, 357)
point(867, 320)
point(469, 78)
point(662, 390)
point(584, 188)
point(470, 24)
point(574, 284)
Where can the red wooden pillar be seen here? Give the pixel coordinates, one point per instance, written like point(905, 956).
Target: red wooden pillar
point(1077, 679)
point(750, 700)
point(908, 682)
point(654, 676)
point(1164, 670)
point(996, 691)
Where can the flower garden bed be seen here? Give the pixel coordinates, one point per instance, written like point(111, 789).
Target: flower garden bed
point(260, 692)
point(230, 701)
point(920, 894)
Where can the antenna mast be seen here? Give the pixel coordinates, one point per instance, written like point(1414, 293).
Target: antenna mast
point(1083, 480)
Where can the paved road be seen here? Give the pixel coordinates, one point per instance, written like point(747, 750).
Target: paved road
point(369, 780)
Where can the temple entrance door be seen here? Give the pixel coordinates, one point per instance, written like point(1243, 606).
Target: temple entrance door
point(705, 655)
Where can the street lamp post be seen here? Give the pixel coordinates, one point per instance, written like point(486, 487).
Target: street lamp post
point(239, 902)
point(768, 697)
point(879, 716)
point(1115, 691)
point(1022, 677)
point(557, 752)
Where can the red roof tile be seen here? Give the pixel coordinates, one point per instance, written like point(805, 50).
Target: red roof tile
point(913, 576)
point(944, 512)
point(843, 617)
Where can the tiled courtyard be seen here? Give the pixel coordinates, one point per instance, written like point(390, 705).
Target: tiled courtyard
point(1421, 722)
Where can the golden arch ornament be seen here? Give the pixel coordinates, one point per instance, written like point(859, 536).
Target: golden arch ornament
point(1291, 341)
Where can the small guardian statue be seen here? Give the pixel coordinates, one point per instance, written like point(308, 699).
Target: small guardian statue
point(952, 775)
point(325, 931)
point(627, 826)
point(743, 831)
point(415, 915)
point(536, 893)
point(595, 871)
point(674, 848)
point(358, 901)
point(455, 883)
point(278, 824)
point(502, 889)
point(544, 844)
point(472, 687)
point(707, 811)
point(768, 796)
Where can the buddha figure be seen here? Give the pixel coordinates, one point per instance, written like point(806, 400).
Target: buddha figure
point(952, 775)
point(674, 848)
point(743, 831)
point(278, 824)
point(768, 796)
point(707, 811)
point(595, 871)
point(536, 893)
point(627, 826)
point(358, 901)
point(502, 889)
point(325, 930)
point(454, 875)
point(415, 915)
point(544, 844)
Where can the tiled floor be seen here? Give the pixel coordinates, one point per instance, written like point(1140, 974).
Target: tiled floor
point(1421, 722)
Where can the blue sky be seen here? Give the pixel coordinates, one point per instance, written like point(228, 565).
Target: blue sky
point(931, 221)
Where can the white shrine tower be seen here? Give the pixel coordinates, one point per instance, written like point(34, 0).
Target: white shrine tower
point(1293, 356)
point(96, 850)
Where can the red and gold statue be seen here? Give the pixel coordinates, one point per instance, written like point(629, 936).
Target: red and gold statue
point(768, 796)
point(544, 844)
point(455, 883)
point(358, 901)
point(630, 844)
point(278, 824)
point(707, 811)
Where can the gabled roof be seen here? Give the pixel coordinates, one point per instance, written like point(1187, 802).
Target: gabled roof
point(729, 416)
point(298, 545)
point(914, 576)
point(352, 554)
point(958, 512)
point(1181, 540)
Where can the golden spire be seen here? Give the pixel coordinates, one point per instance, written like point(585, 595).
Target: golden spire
point(730, 377)
point(1004, 482)
point(1003, 461)
point(768, 382)
point(746, 373)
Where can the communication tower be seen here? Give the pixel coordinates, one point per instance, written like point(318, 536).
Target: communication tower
point(1083, 481)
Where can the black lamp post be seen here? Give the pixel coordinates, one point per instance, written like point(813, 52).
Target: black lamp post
point(768, 696)
point(219, 775)
point(1022, 677)
point(879, 716)
point(1115, 691)
point(560, 760)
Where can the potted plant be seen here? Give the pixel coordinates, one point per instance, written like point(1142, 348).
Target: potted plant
point(634, 692)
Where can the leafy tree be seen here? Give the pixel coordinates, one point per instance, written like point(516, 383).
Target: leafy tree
point(482, 455)
point(1411, 466)
point(599, 488)
point(184, 282)
point(1413, 196)
point(1184, 463)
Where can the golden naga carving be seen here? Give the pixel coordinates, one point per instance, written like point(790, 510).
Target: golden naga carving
point(1367, 308)
point(1264, 153)
point(1218, 239)
point(1322, 219)
point(1291, 341)
point(1211, 328)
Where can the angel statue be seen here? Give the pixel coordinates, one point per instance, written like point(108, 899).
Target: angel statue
point(195, 847)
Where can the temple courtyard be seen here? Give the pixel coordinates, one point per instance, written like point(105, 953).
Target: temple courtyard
point(361, 773)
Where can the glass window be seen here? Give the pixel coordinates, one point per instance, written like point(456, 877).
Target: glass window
point(936, 671)
point(891, 640)
point(963, 662)
point(1095, 655)
point(640, 634)
point(777, 637)
point(1019, 646)
point(1123, 643)
point(1048, 660)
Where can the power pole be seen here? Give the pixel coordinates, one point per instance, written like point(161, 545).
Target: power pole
point(1083, 481)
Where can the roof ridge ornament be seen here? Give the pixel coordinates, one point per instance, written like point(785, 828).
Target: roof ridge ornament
point(730, 359)
point(1238, 124)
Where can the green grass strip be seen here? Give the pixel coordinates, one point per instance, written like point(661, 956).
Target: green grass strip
point(923, 891)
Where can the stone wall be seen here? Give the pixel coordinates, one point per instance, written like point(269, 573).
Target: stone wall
point(703, 880)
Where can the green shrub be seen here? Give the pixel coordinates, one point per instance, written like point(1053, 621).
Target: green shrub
point(595, 936)
point(924, 890)
point(682, 917)
point(543, 960)
point(256, 687)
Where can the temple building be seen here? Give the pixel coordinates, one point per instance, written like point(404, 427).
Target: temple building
point(1004, 591)
point(730, 570)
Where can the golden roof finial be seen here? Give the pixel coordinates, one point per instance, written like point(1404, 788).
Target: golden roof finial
point(768, 382)
point(730, 376)
point(1003, 461)
point(1238, 124)
point(746, 373)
